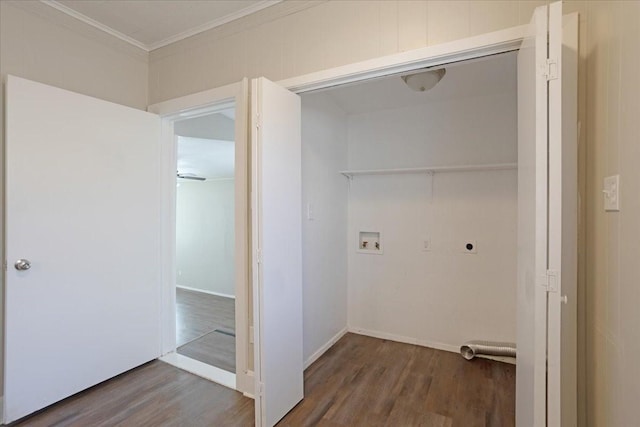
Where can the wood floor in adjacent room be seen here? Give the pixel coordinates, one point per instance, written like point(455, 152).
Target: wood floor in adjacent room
point(360, 381)
point(206, 328)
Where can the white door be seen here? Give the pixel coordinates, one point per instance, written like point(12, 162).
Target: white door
point(532, 224)
point(563, 234)
point(547, 222)
point(82, 206)
point(277, 250)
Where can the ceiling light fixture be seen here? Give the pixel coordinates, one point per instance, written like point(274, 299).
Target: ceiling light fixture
point(425, 80)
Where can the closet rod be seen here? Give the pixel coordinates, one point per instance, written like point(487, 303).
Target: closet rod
point(431, 169)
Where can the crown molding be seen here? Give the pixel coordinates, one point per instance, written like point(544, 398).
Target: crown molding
point(183, 35)
point(84, 18)
point(213, 24)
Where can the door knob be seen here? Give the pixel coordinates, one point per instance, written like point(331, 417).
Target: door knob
point(22, 264)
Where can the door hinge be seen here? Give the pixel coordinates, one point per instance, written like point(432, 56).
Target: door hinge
point(260, 389)
point(259, 256)
point(551, 69)
point(552, 281)
point(258, 121)
point(4, 265)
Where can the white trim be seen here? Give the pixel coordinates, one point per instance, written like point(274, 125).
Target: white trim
point(431, 169)
point(2, 410)
point(188, 106)
point(446, 53)
point(322, 350)
point(218, 294)
point(213, 24)
point(249, 375)
point(211, 373)
point(89, 21)
point(197, 104)
point(422, 343)
point(175, 38)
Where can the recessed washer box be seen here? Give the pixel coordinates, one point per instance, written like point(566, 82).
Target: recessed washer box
point(369, 242)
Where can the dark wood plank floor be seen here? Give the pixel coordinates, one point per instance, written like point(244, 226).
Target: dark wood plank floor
point(363, 381)
point(360, 381)
point(155, 394)
point(216, 348)
point(198, 317)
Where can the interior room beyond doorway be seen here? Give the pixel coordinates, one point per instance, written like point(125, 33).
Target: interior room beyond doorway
point(205, 239)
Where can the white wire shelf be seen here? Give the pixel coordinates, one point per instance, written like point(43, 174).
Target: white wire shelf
point(431, 169)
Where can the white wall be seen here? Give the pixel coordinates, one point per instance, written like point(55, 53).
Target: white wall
point(611, 69)
point(324, 239)
point(442, 297)
point(298, 37)
point(205, 237)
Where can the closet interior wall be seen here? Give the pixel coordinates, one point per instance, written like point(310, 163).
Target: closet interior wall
point(439, 296)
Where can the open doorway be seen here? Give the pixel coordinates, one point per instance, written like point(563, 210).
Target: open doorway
point(205, 240)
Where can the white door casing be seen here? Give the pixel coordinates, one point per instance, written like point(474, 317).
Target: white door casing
point(82, 204)
point(235, 95)
point(277, 249)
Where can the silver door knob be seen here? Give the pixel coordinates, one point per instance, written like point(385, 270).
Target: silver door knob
point(22, 264)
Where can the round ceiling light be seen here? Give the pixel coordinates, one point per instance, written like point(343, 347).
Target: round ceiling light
point(424, 80)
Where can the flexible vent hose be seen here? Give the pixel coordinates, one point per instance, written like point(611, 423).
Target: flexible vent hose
point(472, 349)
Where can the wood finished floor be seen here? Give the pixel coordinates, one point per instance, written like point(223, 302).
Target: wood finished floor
point(360, 381)
point(198, 317)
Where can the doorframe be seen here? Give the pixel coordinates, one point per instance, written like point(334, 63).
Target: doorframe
point(464, 49)
point(191, 106)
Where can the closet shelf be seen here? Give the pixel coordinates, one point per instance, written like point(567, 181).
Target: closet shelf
point(431, 169)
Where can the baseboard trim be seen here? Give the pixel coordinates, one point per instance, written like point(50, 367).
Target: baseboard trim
point(211, 373)
point(316, 355)
point(422, 343)
point(251, 377)
point(218, 294)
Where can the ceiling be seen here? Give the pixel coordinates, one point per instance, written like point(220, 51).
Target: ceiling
point(206, 146)
point(208, 158)
point(486, 76)
point(220, 125)
point(150, 24)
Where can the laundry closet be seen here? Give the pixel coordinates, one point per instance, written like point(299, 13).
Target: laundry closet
point(409, 228)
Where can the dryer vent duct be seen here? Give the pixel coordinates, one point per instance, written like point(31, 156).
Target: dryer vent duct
point(471, 349)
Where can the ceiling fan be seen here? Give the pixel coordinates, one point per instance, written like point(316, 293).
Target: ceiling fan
point(190, 176)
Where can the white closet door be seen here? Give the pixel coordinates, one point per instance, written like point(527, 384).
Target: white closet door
point(82, 206)
point(532, 224)
point(563, 214)
point(277, 250)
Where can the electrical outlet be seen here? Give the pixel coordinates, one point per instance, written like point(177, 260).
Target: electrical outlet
point(612, 193)
point(426, 245)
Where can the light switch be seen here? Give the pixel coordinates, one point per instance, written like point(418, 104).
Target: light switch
point(611, 193)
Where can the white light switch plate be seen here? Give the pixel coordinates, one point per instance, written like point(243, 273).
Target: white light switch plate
point(611, 193)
